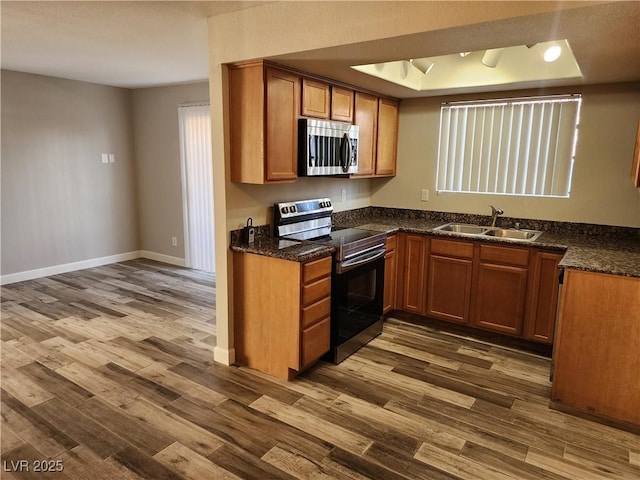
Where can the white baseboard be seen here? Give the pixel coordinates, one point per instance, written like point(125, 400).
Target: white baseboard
point(66, 267)
point(92, 262)
point(159, 257)
point(224, 356)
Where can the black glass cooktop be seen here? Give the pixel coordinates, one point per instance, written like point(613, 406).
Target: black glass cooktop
point(345, 236)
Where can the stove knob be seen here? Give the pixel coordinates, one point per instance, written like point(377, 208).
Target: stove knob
point(285, 210)
point(292, 209)
point(321, 205)
point(328, 204)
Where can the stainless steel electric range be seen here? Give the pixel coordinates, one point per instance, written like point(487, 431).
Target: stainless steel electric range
point(357, 279)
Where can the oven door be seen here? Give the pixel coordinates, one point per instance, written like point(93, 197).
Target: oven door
point(356, 305)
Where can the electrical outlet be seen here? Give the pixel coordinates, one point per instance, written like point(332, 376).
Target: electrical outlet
point(344, 194)
point(174, 241)
point(425, 195)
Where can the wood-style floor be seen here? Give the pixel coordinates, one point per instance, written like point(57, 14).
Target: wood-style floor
point(108, 373)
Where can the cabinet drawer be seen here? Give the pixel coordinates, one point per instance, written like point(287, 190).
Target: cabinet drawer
point(315, 342)
point(313, 292)
point(316, 311)
point(314, 270)
point(392, 242)
point(451, 248)
point(509, 255)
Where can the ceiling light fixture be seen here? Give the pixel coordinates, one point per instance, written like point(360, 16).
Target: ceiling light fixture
point(491, 57)
point(552, 53)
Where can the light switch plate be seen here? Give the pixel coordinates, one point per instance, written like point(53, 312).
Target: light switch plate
point(105, 158)
point(425, 195)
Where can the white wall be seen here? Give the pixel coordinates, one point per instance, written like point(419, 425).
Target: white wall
point(157, 152)
point(60, 203)
point(601, 191)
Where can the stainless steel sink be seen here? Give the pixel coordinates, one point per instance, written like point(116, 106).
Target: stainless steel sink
point(486, 231)
point(463, 228)
point(529, 235)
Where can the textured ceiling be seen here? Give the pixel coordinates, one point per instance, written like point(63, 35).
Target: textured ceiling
point(126, 44)
point(140, 44)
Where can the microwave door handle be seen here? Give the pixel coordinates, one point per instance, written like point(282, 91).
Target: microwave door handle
point(345, 152)
point(312, 150)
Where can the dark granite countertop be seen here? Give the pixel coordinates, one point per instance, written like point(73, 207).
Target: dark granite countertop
point(593, 248)
point(603, 254)
point(285, 249)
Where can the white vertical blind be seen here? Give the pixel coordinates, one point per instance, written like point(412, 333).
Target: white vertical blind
point(515, 147)
point(197, 185)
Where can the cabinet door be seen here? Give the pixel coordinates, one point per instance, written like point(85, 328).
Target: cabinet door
point(387, 145)
point(541, 316)
point(366, 118)
point(390, 268)
point(342, 104)
point(283, 105)
point(449, 288)
point(501, 293)
point(315, 99)
point(413, 282)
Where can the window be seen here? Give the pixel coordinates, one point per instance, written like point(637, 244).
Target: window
point(523, 146)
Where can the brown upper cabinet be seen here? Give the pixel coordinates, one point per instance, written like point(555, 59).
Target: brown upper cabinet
point(264, 106)
point(377, 120)
point(341, 104)
point(265, 103)
point(387, 137)
point(366, 118)
point(316, 98)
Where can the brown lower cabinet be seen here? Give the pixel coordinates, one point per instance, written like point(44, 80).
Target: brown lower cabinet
point(449, 284)
point(412, 273)
point(597, 352)
point(281, 312)
point(501, 289)
point(506, 289)
point(390, 269)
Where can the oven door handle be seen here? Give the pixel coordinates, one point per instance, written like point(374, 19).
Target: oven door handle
point(347, 265)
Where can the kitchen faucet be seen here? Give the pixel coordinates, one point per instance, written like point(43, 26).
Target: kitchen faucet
point(494, 214)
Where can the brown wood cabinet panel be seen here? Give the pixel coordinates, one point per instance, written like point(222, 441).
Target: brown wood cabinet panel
point(266, 320)
point(451, 248)
point(540, 319)
point(341, 104)
point(246, 119)
point(314, 291)
point(500, 298)
point(449, 288)
point(283, 105)
point(314, 342)
point(508, 255)
point(316, 269)
point(315, 98)
point(414, 273)
point(596, 354)
point(387, 139)
point(366, 118)
point(390, 274)
point(316, 311)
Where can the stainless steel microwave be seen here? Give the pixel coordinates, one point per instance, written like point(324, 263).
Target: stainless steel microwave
point(327, 148)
